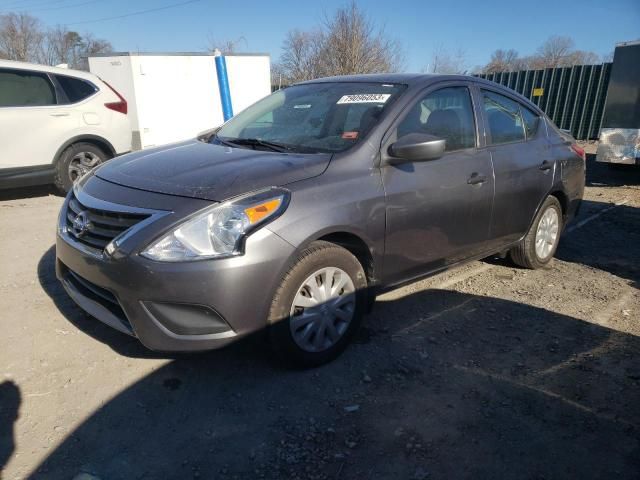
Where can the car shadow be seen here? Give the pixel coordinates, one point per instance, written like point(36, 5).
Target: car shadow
point(438, 384)
point(608, 175)
point(611, 243)
point(29, 192)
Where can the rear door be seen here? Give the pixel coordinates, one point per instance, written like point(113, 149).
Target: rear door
point(438, 211)
point(522, 162)
point(32, 124)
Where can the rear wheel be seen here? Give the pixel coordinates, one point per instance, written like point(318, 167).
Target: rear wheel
point(318, 306)
point(539, 245)
point(75, 161)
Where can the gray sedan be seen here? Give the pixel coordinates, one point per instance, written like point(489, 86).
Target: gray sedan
point(296, 213)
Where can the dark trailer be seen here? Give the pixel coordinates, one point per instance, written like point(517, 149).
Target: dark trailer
point(620, 132)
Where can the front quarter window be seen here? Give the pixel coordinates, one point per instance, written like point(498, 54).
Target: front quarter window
point(312, 118)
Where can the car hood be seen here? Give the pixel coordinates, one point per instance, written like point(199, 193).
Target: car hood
point(211, 172)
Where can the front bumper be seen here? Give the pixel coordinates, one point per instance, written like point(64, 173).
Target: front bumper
point(175, 306)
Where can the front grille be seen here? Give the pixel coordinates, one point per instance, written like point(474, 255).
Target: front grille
point(99, 295)
point(100, 226)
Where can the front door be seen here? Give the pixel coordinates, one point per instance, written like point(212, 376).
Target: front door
point(438, 211)
point(32, 125)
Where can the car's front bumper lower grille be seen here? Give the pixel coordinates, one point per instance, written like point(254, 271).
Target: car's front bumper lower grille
point(99, 302)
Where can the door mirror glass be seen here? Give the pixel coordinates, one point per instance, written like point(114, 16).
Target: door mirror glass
point(418, 146)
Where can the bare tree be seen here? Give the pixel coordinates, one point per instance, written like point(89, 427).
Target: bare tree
point(607, 57)
point(63, 46)
point(21, 37)
point(354, 44)
point(89, 45)
point(226, 46)
point(582, 57)
point(278, 76)
point(555, 51)
point(503, 61)
point(346, 43)
point(302, 57)
point(60, 46)
point(443, 61)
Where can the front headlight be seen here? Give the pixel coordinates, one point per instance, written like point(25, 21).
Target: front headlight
point(219, 231)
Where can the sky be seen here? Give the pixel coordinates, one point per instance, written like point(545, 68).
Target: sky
point(421, 26)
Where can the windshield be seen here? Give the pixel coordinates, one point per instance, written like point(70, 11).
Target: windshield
point(312, 118)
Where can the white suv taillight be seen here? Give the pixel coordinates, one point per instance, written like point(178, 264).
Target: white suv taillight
point(119, 106)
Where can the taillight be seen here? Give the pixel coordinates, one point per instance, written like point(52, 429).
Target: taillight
point(579, 151)
point(119, 106)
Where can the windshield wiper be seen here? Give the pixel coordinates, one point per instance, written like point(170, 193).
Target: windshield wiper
point(256, 142)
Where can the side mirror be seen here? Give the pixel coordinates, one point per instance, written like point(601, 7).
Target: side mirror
point(418, 146)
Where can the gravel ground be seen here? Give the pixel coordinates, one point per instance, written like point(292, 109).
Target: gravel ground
point(486, 371)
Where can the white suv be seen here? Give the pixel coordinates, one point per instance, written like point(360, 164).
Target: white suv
point(57, 124)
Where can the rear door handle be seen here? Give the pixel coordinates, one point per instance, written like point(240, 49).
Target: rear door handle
point(59, 114)
point(476, 179)
point(546, 166)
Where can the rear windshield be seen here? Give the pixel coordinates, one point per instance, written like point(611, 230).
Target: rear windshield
point(318, 117)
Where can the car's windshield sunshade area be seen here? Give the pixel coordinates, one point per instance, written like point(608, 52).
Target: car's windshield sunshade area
point(311, 118)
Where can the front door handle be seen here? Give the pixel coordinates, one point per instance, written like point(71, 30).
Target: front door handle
point(476, 179)
point(546, 166)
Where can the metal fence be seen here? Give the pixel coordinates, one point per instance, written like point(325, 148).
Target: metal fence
point(573, 97)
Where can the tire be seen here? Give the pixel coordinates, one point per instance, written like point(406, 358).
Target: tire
point(76, 160)
point(526, 254)
point(288, 324)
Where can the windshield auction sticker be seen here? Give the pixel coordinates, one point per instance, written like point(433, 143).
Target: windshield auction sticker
point(365, 98)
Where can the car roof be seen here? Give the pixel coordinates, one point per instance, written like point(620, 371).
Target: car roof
point(422, 80)
point(404, 78)
point(48, 69)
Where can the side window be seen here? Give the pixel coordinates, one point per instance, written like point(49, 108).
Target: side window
point(76, 89)
point(531, 121)
point(503, 117)
point(446, 113)
point(20, 88)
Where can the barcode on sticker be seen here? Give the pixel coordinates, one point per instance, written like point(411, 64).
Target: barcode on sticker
point(365, 98)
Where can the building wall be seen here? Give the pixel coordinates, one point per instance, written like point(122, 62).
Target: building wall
point(573, 97)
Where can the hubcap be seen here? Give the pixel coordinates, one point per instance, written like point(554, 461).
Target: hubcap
point(547, 233)
point(322, 309)
point(82, 163)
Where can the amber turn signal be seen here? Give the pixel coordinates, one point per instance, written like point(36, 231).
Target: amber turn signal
point(258, 212)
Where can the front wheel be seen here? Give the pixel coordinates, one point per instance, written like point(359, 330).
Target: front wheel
point(539, 245)
point(318, 306)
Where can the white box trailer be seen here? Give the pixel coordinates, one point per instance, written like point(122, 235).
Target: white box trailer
point(175, 96)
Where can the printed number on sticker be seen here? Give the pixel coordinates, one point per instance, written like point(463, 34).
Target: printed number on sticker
point(365, 98)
